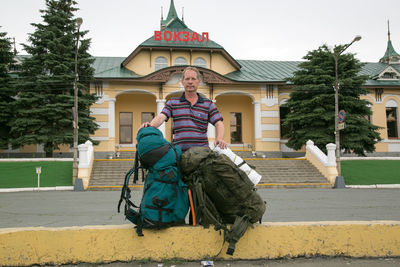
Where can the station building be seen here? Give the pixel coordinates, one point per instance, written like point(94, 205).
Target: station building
point(248, 93)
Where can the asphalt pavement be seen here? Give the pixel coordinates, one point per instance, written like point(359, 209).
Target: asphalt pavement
point(69, 208)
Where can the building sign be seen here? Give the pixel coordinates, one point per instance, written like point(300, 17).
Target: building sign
point(183, 36)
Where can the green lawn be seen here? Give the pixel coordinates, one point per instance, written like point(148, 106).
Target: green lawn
point(367, 172)
point(23, 174)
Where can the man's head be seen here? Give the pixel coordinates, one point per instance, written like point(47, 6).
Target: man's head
point(191, 79)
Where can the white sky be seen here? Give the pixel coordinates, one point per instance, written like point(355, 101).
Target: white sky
point(252, 29)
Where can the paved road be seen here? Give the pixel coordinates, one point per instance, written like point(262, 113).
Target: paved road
point(68, 208)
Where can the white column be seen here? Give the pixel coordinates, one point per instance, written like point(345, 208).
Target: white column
point(160, 106)
point(257, 119)
point(331, 153)
point(111, 117)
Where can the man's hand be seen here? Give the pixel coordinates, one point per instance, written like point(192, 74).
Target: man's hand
point(221, 143)
point(146, 124)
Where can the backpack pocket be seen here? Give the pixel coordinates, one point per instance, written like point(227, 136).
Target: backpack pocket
point(165, 199)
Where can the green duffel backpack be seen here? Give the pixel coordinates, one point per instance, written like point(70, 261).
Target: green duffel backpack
point(165, 198)
point(222, 193)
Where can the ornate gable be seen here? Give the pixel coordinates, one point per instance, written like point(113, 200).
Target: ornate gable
point(389, 73)
point(164, 75)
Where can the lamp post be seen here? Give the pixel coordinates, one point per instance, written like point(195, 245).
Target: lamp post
point(75, 108)
point(336, 55)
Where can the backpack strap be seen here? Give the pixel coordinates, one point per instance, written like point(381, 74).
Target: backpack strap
point(126, 192)
point(126, 195)
point(205, 210)
point(152, 156)
point(236, 231)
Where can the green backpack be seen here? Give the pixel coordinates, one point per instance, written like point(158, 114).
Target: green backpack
point(222, 193)
point(165, 198)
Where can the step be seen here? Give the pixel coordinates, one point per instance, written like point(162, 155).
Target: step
point(287, 173)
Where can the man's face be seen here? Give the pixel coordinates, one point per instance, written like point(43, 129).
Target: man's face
point(190, 81)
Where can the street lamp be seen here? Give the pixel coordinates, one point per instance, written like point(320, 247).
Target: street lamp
point(336, 55)
point(78, 22)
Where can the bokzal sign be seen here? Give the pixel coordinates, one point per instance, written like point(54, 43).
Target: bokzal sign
point(183, 36)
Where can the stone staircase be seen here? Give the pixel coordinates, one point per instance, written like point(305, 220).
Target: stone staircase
point(276, 173)
point(288, 173)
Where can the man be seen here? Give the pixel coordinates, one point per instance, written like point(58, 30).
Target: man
point(191, 114)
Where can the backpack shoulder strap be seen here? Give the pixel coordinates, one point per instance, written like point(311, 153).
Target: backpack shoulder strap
point(152, 156)
point(126, 192)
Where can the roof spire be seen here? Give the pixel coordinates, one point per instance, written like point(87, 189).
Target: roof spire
point(391, 55)
point(162, 18)
point(172, 20)
point(182, 14)
point(15, 47)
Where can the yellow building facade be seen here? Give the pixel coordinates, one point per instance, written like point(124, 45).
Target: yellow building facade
point(248, 93)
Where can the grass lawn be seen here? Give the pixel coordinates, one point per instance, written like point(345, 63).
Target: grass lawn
point(367, 172)
point(23, 174)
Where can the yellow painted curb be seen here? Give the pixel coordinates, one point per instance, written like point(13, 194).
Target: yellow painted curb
point(98, 244)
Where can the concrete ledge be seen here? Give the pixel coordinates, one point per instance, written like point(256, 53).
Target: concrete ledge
point(98, 244)
point(34, 159)
point(23, 189)
point(386, 186)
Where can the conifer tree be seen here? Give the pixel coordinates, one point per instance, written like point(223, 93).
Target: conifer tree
point(7, 91)
point(45, 98)
point(311, 107)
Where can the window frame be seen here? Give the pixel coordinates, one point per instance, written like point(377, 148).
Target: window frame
point(130, 126)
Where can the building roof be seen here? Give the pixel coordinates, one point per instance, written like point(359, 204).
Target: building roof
point(264, 71)
point(174, 25)
point(391, 56)
point(151, 42)
point(390, 53)
point(110, 67)
point(252, 71)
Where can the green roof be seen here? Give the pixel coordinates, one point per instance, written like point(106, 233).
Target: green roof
point(172, 18)
point(110, 67)
point(263, 71)
point(390, 52)
point(259, 71)
point(173, 24)
point(151, 42)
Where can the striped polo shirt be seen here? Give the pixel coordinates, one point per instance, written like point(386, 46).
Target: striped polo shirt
point(190, 123)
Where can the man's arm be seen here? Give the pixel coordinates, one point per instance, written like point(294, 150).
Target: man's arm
point(219, 140)
point(156, 122)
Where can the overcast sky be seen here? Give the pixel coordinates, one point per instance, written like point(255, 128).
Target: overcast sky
point(252, 29)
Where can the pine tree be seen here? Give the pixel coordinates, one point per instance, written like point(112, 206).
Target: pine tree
point(7, 90)
point(45, 99)
point(311, 106)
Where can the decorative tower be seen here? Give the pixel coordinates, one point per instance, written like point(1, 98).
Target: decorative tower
point(391, 55)
point(172, 19)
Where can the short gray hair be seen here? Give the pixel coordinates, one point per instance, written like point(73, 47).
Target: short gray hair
point(199, 77)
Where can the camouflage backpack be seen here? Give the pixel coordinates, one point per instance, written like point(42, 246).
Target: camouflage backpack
point(222, 193)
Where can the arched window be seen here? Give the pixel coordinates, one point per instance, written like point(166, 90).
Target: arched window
point(392, 119)
point(161, 62)
point(180, 61)
point(283, 112)
point(200, 62)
